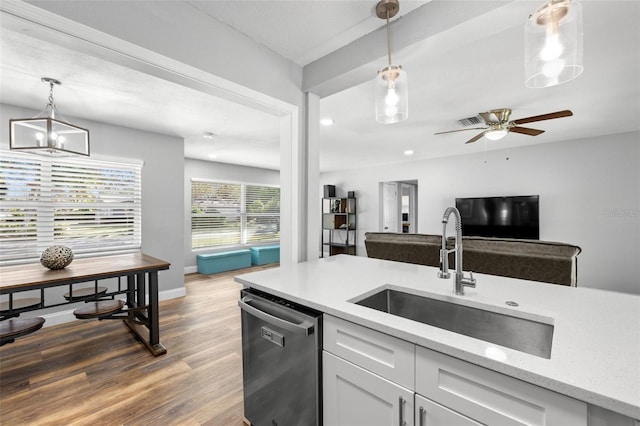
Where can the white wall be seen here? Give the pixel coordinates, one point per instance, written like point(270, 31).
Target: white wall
point(589, 196)
point(199, 169)
point(162, 185)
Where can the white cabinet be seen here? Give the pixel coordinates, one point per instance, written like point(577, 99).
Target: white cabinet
point(490, 397)
point(380, 353)
point(429, 413)
point(370, 378)
point(353, 396)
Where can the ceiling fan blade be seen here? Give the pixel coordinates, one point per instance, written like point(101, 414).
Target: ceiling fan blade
point(461, 130)
point(526, 131)
point(475, 138)
point(558, 114)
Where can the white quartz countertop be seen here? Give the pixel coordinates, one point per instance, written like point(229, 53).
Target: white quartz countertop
point(595, 355)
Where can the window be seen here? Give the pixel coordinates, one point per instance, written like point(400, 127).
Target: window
point(87, 205)
point(225, 214)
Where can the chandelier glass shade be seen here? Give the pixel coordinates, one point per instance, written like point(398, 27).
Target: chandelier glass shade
point(48, 135)
point(391, 91)
point(553, 44)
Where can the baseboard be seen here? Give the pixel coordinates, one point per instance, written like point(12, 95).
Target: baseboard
point(56, 318)
point(65, 316)
point(190, 270)
point(174, 293)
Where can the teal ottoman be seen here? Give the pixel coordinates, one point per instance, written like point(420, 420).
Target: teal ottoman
point(265, 254)
point(224, 261)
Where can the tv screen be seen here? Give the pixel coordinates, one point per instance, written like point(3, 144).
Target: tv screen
point(503, 217)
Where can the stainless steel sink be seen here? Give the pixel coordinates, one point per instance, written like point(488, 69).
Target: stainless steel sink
point(521, 334)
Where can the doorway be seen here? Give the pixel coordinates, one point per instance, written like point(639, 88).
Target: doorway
point(399, 206)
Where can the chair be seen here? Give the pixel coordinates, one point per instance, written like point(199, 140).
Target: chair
point(84, 293)
point(17, 327)
point(99, 309)
point(27, 302)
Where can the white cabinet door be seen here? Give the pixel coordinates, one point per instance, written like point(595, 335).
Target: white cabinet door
point(492, 398)
point(428, 413)
point(384, 355)
point(353, 396)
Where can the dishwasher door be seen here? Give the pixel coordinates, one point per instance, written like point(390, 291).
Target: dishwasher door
point(281, 353)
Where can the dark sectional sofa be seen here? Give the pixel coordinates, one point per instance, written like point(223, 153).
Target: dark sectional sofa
point(535, 260)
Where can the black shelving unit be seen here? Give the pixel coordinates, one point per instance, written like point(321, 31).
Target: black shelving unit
point(339, 225)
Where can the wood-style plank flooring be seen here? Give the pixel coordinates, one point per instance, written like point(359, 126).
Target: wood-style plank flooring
point(96, 373)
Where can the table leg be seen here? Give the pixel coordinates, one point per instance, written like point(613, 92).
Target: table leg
point(141, 286)
point(151, 336)
point(131, 298)
point(154, 319)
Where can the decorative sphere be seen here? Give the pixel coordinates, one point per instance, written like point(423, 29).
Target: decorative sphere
point(56, 257)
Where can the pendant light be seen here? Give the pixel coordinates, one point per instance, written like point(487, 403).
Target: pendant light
point(392, 100)
point(48, 135)
point(553, 44)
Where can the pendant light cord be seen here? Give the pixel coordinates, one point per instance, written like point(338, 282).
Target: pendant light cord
point(51, 104)
point(388, 38)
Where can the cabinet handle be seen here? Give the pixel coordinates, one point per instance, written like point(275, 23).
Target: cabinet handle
point(422, 414)
point(401, 410)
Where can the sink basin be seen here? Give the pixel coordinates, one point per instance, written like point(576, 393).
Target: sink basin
point(517, 333)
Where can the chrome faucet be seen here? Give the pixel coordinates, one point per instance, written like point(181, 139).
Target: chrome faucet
point(460, 281)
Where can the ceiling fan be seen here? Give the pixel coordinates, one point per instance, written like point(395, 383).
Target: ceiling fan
point(498, 124)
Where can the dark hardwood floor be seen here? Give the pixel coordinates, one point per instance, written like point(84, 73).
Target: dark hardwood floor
point(93, 372)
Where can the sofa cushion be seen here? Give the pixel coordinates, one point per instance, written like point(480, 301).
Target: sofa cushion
point(421, 249)
point(545, 261)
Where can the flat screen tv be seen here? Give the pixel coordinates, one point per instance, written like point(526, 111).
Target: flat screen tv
point(503, 217)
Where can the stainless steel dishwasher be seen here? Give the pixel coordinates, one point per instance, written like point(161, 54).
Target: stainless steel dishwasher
point(281, 361)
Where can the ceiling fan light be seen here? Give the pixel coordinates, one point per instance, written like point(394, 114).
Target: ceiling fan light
point(553, 44)
point(495, 135)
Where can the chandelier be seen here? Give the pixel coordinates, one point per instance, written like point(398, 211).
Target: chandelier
point(48, 135)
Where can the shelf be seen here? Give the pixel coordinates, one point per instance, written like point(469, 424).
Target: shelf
point(339, 223)
point(343, 245)
point(339, 205)
point(333, 250)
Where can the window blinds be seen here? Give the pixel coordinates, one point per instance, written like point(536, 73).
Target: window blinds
point(215, 214)
point(87, 205)
point(226, 214)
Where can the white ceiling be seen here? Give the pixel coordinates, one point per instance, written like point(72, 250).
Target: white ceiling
point(302, 30)
point(473, 67)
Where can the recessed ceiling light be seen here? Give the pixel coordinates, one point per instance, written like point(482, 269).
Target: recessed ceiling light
point(208, 135)
point(408, 152)
point(327, 121)
point(212, 156)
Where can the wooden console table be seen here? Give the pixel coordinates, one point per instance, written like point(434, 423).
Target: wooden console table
point(138, 268)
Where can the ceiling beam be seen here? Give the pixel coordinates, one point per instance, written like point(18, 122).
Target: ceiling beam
point(359, 61)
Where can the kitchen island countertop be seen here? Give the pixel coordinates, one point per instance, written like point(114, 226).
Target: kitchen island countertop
point(595, 354)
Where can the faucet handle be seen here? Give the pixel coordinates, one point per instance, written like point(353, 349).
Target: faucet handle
point(468, 282)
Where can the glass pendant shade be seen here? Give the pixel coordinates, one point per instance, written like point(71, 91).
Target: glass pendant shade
point(494, 135)
point(392, 95)
point(48, 136)
point(553, 44)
